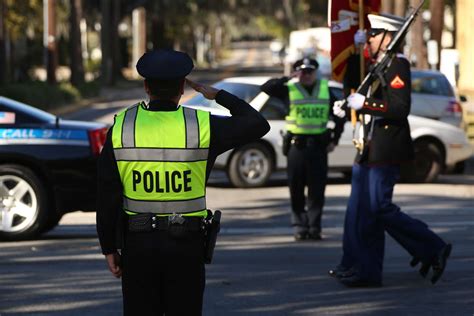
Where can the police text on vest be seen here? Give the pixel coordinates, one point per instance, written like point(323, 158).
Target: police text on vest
point(162, 182)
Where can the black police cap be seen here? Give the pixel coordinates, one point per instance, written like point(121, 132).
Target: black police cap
point(306, 63)
point(164, 64)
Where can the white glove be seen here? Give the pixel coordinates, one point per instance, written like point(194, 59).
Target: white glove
point(337, 109)
point(356, 101)
point(360, 38)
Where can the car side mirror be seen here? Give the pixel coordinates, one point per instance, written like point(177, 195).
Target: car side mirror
point(463, 98)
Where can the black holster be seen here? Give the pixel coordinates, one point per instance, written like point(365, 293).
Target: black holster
point(286, 142)
point(213, 226)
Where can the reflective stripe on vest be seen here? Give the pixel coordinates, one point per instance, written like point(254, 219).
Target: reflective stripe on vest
point(162, 159)
point(309, 114)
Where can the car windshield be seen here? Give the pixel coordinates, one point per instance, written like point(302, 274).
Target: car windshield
point(430, 83)
point(246, 92)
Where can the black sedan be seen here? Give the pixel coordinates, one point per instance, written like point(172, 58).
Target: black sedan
point(47, 168)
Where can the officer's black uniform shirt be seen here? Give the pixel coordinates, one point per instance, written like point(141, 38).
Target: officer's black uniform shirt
point(245, 124)
point(391, 141)
point(277, 87)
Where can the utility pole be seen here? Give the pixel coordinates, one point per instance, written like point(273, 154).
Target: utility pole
point(3, 55)
point(49, 40)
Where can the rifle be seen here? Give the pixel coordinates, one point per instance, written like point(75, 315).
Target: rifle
point(381, 67)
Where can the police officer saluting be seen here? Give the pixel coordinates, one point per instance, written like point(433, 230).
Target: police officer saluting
point(308, 142)
point(152, 179)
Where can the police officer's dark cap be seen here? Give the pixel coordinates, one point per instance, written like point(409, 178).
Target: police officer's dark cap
point(164, 64)
point(306, 63)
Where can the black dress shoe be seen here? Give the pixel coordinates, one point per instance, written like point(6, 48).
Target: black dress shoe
point(301, 236)
point(315, 236)
point(337, 270)
point(342, 272)
point(440, 263)
point(425, 268)
point(356, 281)
point(414, 261)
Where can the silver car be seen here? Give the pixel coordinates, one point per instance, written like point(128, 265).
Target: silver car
point(437, 145)
point(434, 97)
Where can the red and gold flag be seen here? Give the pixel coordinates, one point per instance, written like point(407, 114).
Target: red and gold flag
point(344, 22)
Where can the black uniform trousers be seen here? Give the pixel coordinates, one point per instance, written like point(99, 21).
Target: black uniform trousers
point(163, 275)
point(371, 212)
point(307, 166)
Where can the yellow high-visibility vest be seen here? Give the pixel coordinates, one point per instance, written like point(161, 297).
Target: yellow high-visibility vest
point(162, 158)
point(309, 114)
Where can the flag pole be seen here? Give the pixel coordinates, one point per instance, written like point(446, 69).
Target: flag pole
point(361, 46)
point(361, 58)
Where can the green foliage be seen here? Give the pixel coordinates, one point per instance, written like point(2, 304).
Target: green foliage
point(92, 66)
point(45, 96)
point(270, 26)
point(24, 15)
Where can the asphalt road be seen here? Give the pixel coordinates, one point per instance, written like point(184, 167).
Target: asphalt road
point(258, 268)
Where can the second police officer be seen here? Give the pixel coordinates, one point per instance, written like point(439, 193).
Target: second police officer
point(307, 142)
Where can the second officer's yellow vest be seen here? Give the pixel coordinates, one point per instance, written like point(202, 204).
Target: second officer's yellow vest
point(162, 158)
point(309, 114)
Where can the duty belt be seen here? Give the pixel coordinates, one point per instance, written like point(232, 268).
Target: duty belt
point(302, 141)
point(149, 222)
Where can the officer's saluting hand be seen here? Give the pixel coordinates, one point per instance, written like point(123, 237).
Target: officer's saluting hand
point(207, 91)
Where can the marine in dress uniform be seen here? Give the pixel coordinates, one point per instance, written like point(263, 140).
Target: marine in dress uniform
point(309, 141)
point(370, 211)
point(152, 175)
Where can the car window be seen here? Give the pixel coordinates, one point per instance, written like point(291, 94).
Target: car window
point(274, 109)
point(246, 92)
point(25, 114)
point(430, 83)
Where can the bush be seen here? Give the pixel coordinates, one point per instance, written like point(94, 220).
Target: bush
point(45, 96)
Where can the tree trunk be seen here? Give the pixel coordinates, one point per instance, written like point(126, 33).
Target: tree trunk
point(437, 23)
point(115, 41)
point(396, 7)
point(290, 17)
point(417, 45)
point(77, 64)
point(105, 42)
point(400, 8)
point(50, 40)
point(387, 6)
point(3, 55)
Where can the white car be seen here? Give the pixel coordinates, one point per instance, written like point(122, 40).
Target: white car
point(437, 145)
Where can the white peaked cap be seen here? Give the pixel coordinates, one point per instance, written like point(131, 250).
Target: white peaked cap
point(391, 23)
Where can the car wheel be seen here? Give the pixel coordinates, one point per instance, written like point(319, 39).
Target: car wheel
point(250, 166)
point(427, 165)
point(23, 203)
